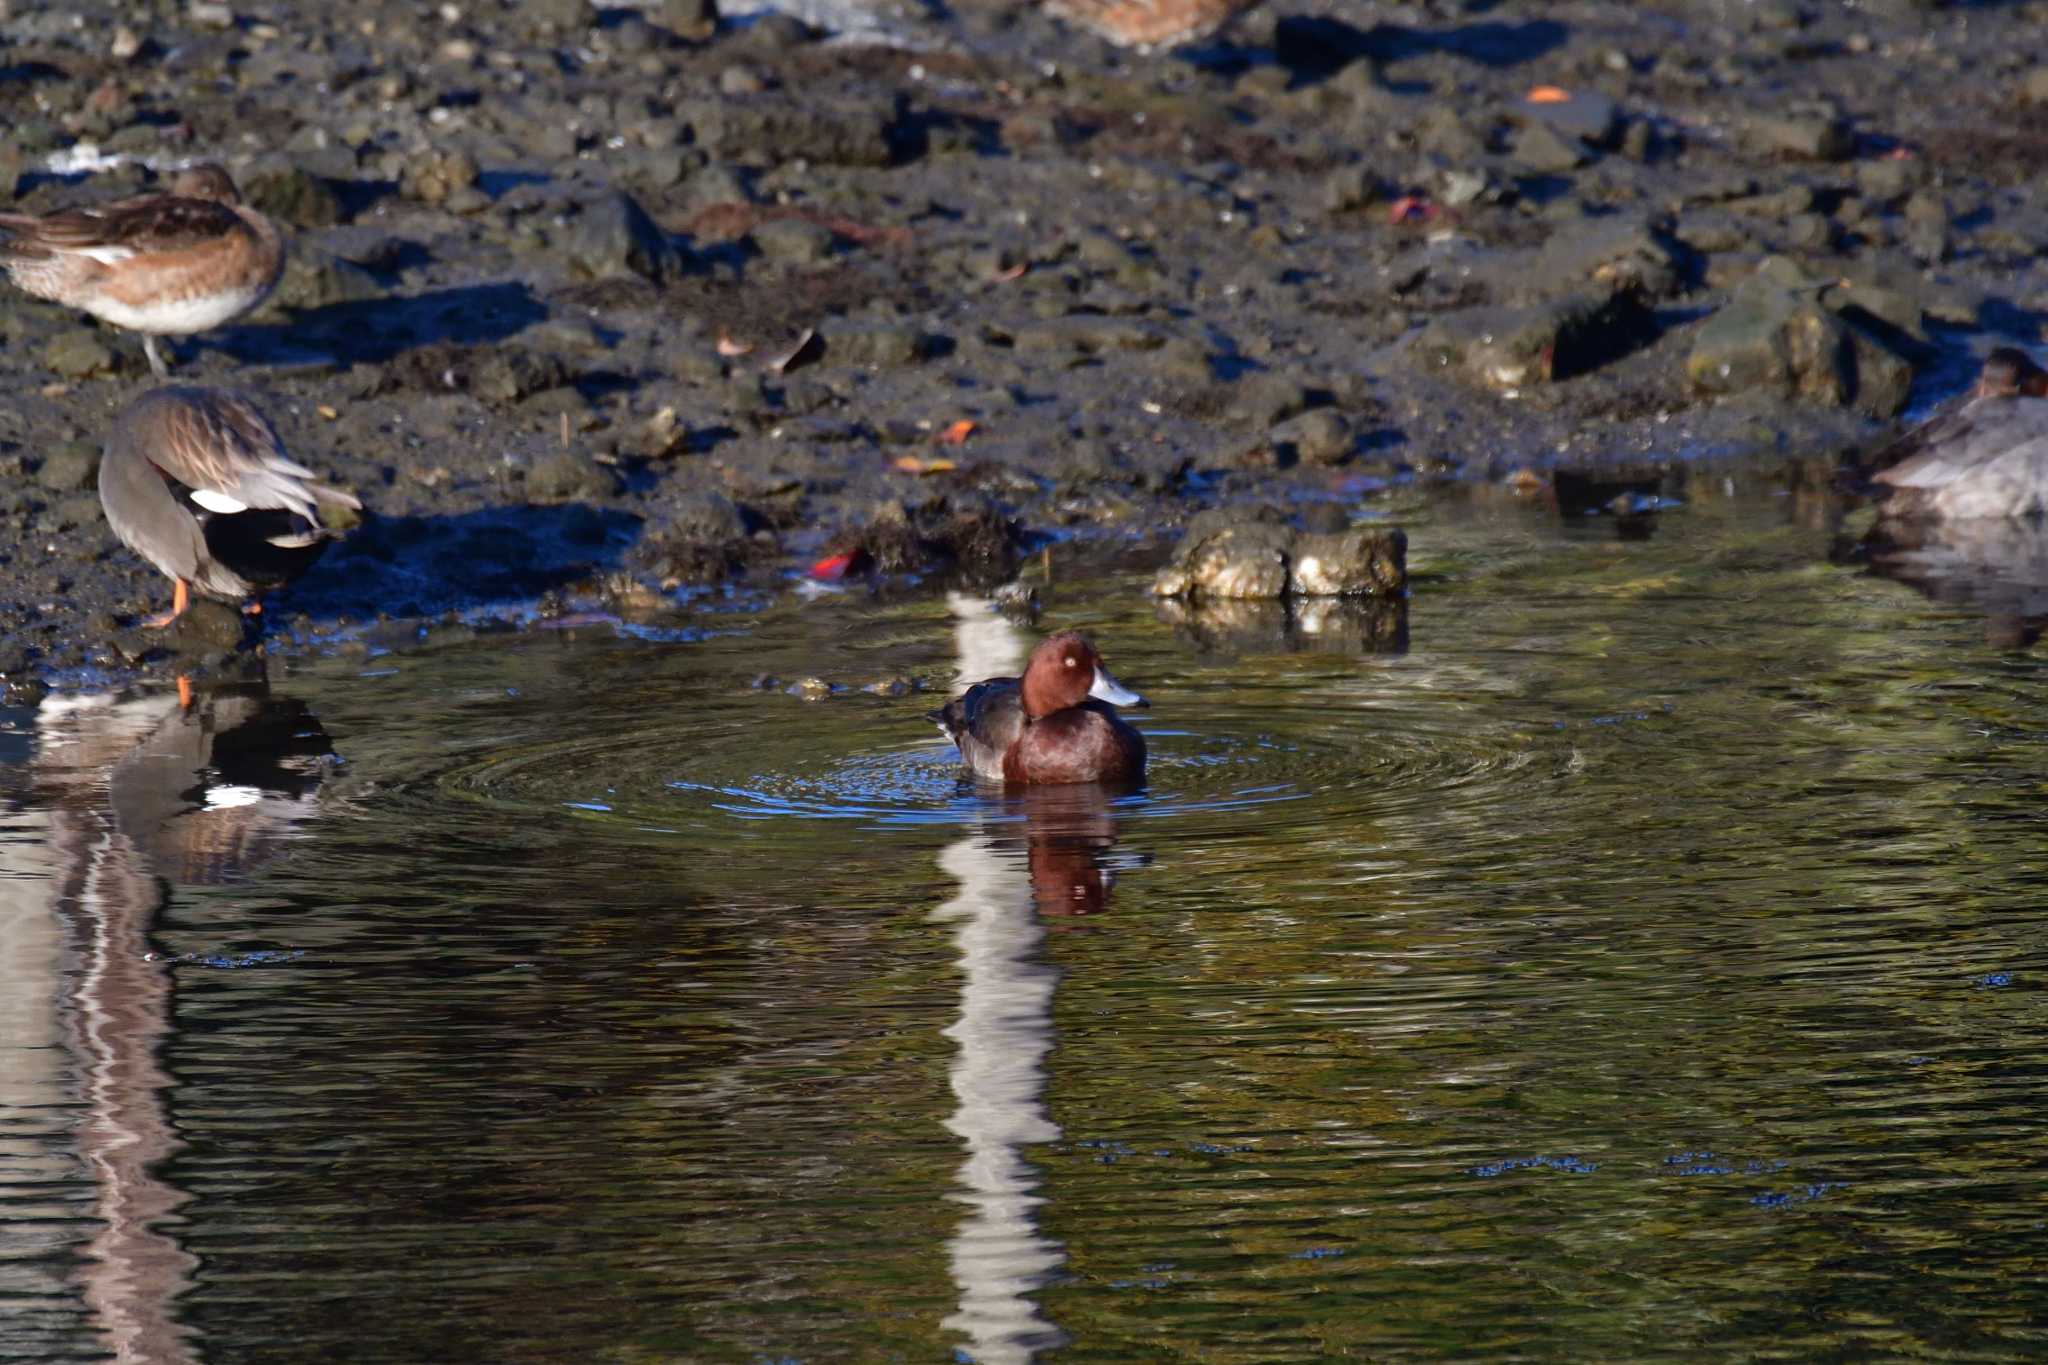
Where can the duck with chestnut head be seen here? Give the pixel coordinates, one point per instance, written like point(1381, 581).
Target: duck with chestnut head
point(1056, 724)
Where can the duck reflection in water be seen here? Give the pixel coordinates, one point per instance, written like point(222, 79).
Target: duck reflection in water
point(133, 795)
point(1035, 854)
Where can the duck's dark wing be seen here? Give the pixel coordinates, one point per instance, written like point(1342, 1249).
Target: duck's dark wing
point(129, 227)
point(984, 721)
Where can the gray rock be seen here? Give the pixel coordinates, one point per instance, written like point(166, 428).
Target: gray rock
point(435, 175)
point(78, 352)
point(314, 278)
point(1510, 348)
point(768, 130)
point(613, 236)
point(1613, 254)
point(1251, 554)
point(1351, 564)
point(1541, 147)
point(293, 195)
point(792, 241)
point(1350, 187)
point(69, 465)
point(1318, 436)
point(1776, 338)
point(1812, 137)
point(695, 20)
point(567, 476)
point(1261, 400)
point(875, 345)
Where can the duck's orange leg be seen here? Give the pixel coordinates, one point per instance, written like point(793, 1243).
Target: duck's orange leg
point(184, 692)
point(181, 598)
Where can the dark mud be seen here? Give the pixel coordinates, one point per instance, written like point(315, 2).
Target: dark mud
point(591, 306)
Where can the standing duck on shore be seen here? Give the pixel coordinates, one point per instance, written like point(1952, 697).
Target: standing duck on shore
point(162, 264)
point(196, 481)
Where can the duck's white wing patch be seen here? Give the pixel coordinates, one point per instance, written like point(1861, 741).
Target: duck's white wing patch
point(218, 502)
point(107, 255)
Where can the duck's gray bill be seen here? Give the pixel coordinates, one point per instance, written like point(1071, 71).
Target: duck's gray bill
point(1115, 693)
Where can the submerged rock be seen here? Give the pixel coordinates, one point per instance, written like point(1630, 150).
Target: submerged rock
point(1252, 555)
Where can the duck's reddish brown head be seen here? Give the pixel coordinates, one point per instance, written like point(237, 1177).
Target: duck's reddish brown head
point(1065, 670)
point(2011, 373)
point(206, 181)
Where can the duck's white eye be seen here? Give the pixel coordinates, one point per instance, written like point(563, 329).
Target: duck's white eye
point(1072, 662)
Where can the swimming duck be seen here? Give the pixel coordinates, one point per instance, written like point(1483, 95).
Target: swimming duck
point(163, 264)
point(1055, 724)
point(1987, 457)
point(196, 482)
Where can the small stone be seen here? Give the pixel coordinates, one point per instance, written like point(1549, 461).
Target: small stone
point(793, 242)
point(613, 236)
point(810, 689)
point(1350, 187)
point(567, 477)
point(896, 686)
point(292, 195)
point(434, 175)
point(69, 465)
point(1318, 436)
point(1812, 138)
point(1261, 400)
point(77, 353)
point(876, 345)
point(207, 625)
point(125, 43)
point(695, 20)
point(209, 14)
point(2034, 86)
point(1542, 148)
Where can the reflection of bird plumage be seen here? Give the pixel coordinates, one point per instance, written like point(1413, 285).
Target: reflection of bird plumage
point(205, 792)
point(196, 481)
point(160, 264)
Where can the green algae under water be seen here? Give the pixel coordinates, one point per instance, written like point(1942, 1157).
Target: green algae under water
point(1645, 963)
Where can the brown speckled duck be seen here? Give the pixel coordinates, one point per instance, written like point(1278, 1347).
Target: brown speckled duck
point(1054, 725)
point(163, 264)
point(1987, 457)
point(196, 482)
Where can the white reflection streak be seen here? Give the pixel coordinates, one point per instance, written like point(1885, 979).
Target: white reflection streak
point(119, 1014)
point(1004, 1032)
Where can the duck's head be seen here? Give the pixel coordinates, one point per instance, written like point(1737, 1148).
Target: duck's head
point(2011, 373)
point(1066, 670)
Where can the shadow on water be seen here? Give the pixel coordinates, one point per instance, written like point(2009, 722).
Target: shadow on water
point(371, 331)
point(136, 795)
point(416, 566)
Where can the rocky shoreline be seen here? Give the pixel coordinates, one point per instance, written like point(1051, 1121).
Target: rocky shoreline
point(592, 304)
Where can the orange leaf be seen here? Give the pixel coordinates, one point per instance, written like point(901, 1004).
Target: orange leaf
point(728, 347)
point(955, 434)
point(910, 464)
point(1549, 94)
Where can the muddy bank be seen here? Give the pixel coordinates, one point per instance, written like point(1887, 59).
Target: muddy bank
point(593, 305)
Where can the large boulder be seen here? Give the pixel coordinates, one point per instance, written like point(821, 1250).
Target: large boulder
point(1234, 553)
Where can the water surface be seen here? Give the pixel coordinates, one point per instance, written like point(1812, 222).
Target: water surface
point(1638, 956)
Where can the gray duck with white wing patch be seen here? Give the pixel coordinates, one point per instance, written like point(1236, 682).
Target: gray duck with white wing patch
point(196, 481)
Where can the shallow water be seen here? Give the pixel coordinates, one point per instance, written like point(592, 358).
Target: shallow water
point(1644, 962)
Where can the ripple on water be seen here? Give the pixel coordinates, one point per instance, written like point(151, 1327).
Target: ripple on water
point(822, 766)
